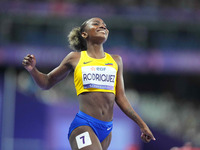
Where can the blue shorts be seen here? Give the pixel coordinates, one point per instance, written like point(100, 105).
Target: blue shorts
point(101, 128)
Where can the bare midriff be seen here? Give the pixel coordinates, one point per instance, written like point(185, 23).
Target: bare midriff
point(97, 104)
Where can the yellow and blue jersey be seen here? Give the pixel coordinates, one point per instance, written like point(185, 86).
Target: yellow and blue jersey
point(95, 75)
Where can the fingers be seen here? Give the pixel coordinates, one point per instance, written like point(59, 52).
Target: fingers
point(147, 135)
point(151, 136)
point(143, 137)
point(147, 138)
point(27, 60)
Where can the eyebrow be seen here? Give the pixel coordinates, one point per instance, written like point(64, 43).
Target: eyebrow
point(99, 22)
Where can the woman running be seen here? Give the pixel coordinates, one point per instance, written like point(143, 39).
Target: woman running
point(98, 78)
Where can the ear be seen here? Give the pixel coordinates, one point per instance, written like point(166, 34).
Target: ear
point(84, 35)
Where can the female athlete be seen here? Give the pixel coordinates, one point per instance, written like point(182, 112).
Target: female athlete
point(98, 78)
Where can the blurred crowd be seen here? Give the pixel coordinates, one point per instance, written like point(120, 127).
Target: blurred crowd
point(185, 4)
point(146, 29)
point(171, 116)
point(186, 146)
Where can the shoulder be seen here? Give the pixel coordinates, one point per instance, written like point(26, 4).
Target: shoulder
point(73, 55)
point(72, 58)
point(117, 58)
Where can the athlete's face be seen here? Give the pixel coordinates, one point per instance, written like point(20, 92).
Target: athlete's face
point(96, 30)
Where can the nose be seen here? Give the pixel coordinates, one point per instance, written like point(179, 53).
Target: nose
point(102, 26)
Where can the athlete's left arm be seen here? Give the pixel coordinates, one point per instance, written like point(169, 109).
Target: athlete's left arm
point(125, 105)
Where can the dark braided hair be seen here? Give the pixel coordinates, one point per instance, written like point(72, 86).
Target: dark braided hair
point(76, 41)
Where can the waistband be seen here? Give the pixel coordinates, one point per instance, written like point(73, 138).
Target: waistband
point(92, 119)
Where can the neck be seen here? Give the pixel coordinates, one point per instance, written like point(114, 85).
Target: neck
point(95, 51)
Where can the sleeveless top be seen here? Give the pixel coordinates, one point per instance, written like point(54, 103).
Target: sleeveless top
point(95, 75)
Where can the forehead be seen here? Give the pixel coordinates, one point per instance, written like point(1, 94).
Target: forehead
point(95, 20)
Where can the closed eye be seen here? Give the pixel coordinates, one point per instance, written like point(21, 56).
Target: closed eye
point(95, 24)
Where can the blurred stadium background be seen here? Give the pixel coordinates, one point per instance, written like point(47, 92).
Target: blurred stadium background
point(159, 41)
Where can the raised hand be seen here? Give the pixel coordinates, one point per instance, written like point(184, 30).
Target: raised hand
point(29, 62)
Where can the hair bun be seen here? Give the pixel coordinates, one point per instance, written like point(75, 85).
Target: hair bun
point(76, 41)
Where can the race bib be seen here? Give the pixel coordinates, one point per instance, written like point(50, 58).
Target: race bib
point(100, 77)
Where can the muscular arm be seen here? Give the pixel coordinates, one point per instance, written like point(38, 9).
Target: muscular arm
point(46, 81)
point(126, 107)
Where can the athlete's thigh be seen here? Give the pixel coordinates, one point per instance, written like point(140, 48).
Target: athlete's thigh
point(106, 142)
point(84, 138)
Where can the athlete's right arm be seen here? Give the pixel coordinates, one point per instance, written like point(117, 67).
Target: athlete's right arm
point(46, 81)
